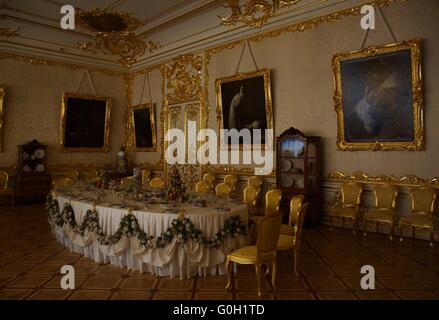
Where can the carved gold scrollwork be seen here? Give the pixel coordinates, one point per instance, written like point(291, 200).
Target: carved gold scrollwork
point(253, 13)
point(183, 77)
point(409, 180)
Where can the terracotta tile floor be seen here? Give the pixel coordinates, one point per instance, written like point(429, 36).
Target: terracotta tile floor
point(31, 258)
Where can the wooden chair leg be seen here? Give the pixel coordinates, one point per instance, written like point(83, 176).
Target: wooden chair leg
point(401, 234)
point(273, 276)
point(364, 228)
point(354, 225)
point(259, 276)
point(391, 232)
point(432, 238)
point(343, 223)
point(229, 274)
point(296, 262)
point(331, 223)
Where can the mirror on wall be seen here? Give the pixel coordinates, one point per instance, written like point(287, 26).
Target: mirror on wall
point(143, 131)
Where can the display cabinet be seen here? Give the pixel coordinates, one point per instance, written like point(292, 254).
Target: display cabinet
point(33, 183)
point(298, 171)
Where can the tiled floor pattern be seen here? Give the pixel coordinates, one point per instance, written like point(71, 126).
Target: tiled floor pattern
point(30, 262)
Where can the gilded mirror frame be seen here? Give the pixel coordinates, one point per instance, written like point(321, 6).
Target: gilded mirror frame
point(63, 122)
point(2, 96)
point(151, 108)
point(265, 73)
point(417, 143)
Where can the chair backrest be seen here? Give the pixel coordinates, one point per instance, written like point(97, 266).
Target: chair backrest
point(125, 182)
point(231, 179)
point(385, 196)
point(61, 181)
point(351, 193)
point(250, 195)
point(272, 201)
point(423, 200)
point(295, 204)
point(268, 235)
point(202, 187)
point(298, 227)
point(72, 174)
point(210, 179)
point(145, 176)
point(255, 181)
point(3, 180)
point(223, 188)
point(89, 174)
point(156, 183)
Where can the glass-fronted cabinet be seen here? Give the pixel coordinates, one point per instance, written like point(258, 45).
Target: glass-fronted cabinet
point(299, 170)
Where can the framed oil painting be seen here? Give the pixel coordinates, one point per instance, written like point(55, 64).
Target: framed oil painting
point(85, 123)
point(244, 102)
point(379, 98)
point(143, 131)
point(2, 97)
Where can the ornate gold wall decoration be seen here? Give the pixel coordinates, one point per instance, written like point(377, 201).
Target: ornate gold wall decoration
point(115, 35)
point(253, 13)
point(9, 32)
point(2, 96)
point(183, 79)
point(409, 180)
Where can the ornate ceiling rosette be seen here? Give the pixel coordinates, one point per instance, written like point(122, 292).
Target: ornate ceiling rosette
point(253, 13)
point(114, 34)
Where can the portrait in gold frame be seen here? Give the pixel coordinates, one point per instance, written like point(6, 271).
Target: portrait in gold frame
point(261, 117)
point(85, 123)
point(2, 96)
point(143, 134)
point(380, 97)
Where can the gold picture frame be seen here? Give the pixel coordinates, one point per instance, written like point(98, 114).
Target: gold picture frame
point(260, 78)
point(135, 113)
point(84, 123)
point(2, 96)
point(389, 115)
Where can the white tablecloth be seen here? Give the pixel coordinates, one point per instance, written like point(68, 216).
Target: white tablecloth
point(183, 260)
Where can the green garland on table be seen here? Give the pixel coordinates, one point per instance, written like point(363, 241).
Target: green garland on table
point(182, 228)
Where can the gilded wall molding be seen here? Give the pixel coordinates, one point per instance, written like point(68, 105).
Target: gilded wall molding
point(52, 63)
point(409, 180)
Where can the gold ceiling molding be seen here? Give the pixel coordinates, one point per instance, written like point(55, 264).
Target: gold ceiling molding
point(51, 63)
point(115, 35)
point(9, 32)
point(253, 13)
point(409, 180)
point(184, 77)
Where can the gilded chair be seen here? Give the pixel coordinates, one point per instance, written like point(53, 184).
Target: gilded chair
point(250, 197)
point(4, 189)
point(264, 252)
point(295, 204)
point(61, 181)
point(145, 177)
point(423, 201)
point(210, 179)
point(272, 201)
point(202, 187)
point(157, 183)
point(223, 189)
point(292, 242)
point(231, 179)
point(90, 175)
point(384, 210)
point(349, 207)
point(72, 174)
point(255, 181)
point(125, 182)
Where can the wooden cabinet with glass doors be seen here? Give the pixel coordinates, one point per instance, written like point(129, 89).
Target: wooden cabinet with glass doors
point(298, 171)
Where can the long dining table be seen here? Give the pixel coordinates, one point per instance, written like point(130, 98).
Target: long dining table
point(175, 259)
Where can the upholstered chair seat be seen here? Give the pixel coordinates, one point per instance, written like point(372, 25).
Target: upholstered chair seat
point(202, 187)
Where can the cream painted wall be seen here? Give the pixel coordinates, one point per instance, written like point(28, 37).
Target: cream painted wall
point(33, 105)
point(302, 84)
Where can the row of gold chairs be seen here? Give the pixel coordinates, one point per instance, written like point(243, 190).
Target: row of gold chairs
point(272, 236)
point(423, 204)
